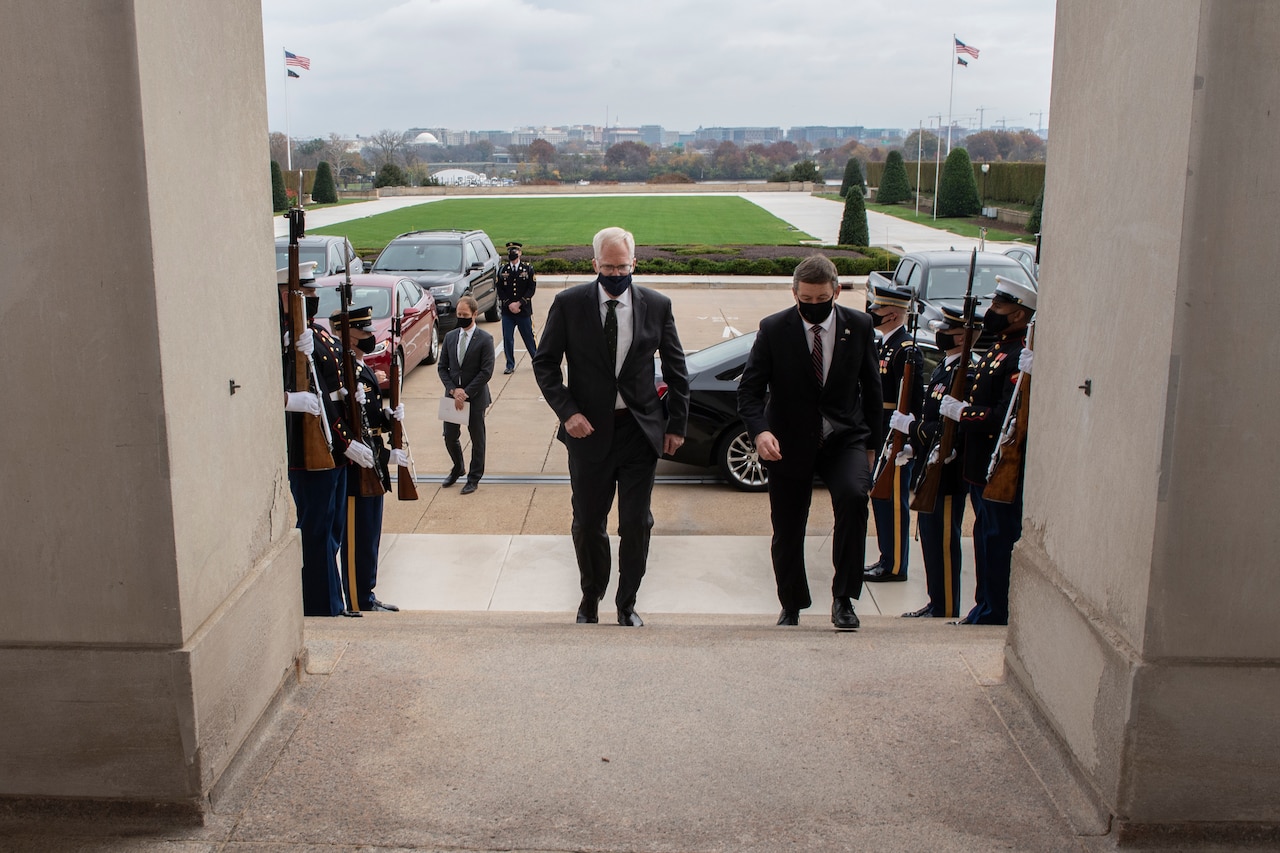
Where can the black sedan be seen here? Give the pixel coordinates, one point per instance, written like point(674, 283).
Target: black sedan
point(716, 436)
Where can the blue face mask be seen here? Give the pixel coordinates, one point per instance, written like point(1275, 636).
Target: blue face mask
point(615, 285)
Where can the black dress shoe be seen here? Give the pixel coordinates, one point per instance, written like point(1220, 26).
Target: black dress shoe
point(588, 613)
point(470, 487)
point(842, 615)
point(630, 618)
point(879, 574)
point(377, 606)
point(452, 478)
point(789, 617)
point(509, 370)
point(927, 610)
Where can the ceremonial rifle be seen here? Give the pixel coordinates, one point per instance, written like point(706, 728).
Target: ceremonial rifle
point(317, 453)
point(886, 466)
point(926, 493)
point(370, 483)
point(405, 488)
point(1005, 469)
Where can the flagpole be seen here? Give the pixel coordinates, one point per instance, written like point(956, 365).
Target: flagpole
point(288, 142)
point(951, 97)
point(919, 157)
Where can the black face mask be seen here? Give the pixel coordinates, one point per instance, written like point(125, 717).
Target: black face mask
point(512, 255)
point(465, 322)
point(313, 306)
point(944, 340)
point(877, 320)
point(994, 322)
point(615, 285)
point(366, 345)
point(815, 312)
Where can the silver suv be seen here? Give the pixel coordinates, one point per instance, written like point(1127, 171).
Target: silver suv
point(332, 254)
point(450, 264)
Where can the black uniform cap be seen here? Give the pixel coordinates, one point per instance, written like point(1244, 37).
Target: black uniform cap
point(514, 245)
point(361, 318)
point(887, 296)
point(953, 316)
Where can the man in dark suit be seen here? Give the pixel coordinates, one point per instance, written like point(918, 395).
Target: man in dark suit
point(611, 419)
point(465, 367)
point(810, 397)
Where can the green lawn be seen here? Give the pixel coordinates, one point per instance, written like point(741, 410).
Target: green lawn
point(963, 227)
point(574, 221)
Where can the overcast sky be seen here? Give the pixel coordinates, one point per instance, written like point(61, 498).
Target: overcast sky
point(501, 64)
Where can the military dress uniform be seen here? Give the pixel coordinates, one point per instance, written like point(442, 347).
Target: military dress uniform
point(893, 516)
point(516, 283)
point(319, 496)
point(368, 509)
point(997, 526)
point(941, 526)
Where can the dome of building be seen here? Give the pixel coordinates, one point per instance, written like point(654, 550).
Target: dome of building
point(426, 138)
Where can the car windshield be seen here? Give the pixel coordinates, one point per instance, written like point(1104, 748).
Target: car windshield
point(420, 257)
point(304, 254)
point(718, 354)
point(378, 297)
point(950, 282)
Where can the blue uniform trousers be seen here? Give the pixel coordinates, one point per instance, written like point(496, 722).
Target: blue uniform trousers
point(940, 545)
point(893, 523)
point(368, 518)
point(321, 500)
point(524, 322)
point(996, 529)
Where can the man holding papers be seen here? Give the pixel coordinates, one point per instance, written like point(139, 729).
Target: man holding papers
point(465, 367)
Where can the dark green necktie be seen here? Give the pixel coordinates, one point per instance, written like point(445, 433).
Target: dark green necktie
point(611, 331)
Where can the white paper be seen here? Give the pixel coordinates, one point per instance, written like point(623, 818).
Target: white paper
point(450, 414)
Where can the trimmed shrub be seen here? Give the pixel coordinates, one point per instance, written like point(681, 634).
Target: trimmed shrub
point(853, 227)
point(391, 175)
point(324, 190)
point(852, 178)
point(806, 170)
point(895, 186)
point(279, 198)
point(1033, 224)
point(958, 191)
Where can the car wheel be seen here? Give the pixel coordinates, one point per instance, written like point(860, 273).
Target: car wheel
point(491, 316)
point(740, 462)
point(433, 351)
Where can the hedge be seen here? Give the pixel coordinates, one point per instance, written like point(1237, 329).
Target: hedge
point(1015, 183)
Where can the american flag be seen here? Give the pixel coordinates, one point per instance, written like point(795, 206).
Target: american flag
point(303, 62)
point(961, 47)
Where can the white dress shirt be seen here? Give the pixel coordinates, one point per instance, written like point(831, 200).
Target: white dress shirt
point(626, 330)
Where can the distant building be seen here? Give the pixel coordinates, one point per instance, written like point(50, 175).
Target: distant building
point(824, 136)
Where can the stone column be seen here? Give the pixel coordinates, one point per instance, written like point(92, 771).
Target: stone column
point(1145, 587)
point(151, 599)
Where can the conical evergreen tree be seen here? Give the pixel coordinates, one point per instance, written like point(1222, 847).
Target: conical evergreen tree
point(895, 186)
point(279, 198)
point(324, 190)
point(852, 178)
point(957, 190)
point(853, 226)
point(1033, 224)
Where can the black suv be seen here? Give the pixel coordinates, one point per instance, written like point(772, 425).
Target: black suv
point(451, 264)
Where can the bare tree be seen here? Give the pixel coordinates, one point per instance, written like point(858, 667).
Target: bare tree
point(279, 145)
point(387, 145)
point(337, 153)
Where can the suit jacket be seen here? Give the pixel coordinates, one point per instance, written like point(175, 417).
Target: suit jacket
point(472, 375)
point(781, 367)
point(574, 332)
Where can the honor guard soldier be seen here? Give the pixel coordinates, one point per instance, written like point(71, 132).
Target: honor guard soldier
point(940, 526)
point(888, 306)
point(319, 495)
point(378, 418)
point(997, 526)
point(515, 287)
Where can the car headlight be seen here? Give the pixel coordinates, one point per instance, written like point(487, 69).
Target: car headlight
point(379, 349)
point(441, 290)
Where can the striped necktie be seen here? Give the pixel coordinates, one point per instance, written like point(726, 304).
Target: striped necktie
point(817, 353)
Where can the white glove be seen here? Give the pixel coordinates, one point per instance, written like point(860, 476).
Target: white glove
point(399, 459)
point(901, 422)
point(359, 454)
point(397, 413)
point(360, 398)
point(933, 456)
point(302, 401)
point(306, 342)
point(905, 456)
point(951, 408)
point(1024, 360)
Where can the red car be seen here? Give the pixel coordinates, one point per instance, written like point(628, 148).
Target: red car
point(419, 341)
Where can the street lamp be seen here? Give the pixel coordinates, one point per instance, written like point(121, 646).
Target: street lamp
point(986, 167)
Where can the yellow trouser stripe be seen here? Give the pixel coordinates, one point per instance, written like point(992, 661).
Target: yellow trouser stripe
point(898, 568)
point(949, 592)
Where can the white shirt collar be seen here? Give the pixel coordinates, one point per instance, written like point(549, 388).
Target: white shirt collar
point(623, 300)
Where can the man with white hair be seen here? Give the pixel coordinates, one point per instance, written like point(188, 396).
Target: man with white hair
point(612, 421)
